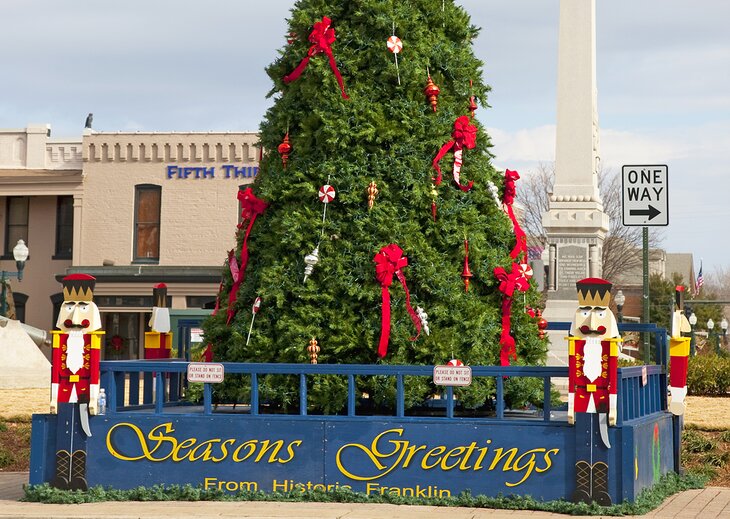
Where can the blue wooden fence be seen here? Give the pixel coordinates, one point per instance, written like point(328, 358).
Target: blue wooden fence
point(122, 382)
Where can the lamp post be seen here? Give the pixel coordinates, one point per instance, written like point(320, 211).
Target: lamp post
point(711, 333)
point(20, 253)
point(692, 322)
point(620, 299)
point(723, 325)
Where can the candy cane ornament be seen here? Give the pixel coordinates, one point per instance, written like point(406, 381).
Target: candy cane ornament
point(395, 45)
point(325, 194)
point(254, 310)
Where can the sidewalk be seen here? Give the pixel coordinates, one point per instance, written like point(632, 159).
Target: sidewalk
point(710, 503)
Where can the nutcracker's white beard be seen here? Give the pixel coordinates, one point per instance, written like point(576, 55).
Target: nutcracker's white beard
point(592, 352)
point(75, 350)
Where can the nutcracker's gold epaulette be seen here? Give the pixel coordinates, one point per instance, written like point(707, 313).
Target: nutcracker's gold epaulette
point(571, 344)
point(95, 338)
point(679, 347)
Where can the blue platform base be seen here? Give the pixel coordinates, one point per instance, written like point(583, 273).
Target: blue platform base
point(375, 455)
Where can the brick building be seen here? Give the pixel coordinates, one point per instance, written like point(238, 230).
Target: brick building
point(132, 209)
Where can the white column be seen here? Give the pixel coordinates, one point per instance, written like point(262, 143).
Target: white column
point(576, 154)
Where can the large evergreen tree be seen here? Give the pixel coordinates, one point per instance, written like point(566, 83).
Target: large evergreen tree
point(385, 132)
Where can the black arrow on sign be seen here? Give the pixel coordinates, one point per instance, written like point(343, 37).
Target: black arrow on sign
point(651, 212)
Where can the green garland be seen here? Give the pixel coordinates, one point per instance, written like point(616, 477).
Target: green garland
point(648, 500)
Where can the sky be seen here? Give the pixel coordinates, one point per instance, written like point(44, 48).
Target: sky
point(663, 73)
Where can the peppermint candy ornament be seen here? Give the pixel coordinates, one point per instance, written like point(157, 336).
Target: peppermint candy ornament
point(525, 270)
point(454, 362)
point(395, 45)
point(326, 194)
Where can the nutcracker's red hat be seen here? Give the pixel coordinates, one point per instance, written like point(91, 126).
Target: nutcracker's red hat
point(78, 287)
point(594, 292)
point(159, 295)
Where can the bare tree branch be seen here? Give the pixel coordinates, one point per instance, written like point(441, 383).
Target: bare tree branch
point(622, 246)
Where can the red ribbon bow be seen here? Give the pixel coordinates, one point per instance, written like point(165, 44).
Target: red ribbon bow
point(509, 282)
point(322, 38)
point(390, 261)
point(510, 191)
point(251, 207)
point(464, 136)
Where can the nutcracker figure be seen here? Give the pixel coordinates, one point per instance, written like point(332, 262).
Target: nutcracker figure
point(158, 342)
point(75, 377)
point(678, 354)
point(593, 348)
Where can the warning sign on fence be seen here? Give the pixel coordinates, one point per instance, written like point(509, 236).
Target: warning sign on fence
point(452, 375)
point(207, 372)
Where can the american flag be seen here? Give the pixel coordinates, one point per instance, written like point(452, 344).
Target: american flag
point(699, 282)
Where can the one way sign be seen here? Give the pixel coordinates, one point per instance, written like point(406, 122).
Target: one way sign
point(645, 196)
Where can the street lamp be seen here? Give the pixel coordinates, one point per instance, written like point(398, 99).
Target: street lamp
point(723, 325)
point(20, 253)
point(620, 299)
point(711, 333)
point(692, 323)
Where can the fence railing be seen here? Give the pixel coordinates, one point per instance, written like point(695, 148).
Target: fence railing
point(155, 386)
point(640, 396)
point(661, 353)
point(122, 382)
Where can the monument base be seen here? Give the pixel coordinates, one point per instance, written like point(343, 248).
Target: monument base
point(559, 310)
point(25, 366)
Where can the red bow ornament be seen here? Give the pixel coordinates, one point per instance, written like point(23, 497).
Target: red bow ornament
point(389, 261)
point(251, 207)
point(508, 283)
point(464, 136)
point(322, 37)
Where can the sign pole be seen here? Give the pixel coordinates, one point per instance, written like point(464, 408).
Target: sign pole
point(645, 296)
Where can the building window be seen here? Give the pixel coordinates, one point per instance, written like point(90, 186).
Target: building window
point(64, 227)
point(16, 223)
point(147, 223)
point(20, 301)
point(56, 301)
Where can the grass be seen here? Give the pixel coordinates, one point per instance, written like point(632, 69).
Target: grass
point(15, 445)
point(707, 453)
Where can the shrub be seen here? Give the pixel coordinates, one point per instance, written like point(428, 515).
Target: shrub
point(708, 375)
point(694, 441)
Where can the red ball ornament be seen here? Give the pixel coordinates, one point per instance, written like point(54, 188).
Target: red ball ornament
point(432, 92)
point(284, 150)
point(542, 324)
point(454, 362)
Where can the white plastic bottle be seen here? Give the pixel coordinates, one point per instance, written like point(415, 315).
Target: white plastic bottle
point(102, 401)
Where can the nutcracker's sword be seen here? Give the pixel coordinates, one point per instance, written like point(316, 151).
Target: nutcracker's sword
point(84, 416)
point(603, 428)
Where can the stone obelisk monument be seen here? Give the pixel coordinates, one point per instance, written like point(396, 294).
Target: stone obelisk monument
point(575, 224)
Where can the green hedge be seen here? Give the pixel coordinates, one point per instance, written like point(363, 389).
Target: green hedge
point(647, 501)
point(709, 375)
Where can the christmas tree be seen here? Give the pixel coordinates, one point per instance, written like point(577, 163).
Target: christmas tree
point(354, 112)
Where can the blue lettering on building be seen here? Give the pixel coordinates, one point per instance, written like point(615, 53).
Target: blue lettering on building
point(229, 171)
